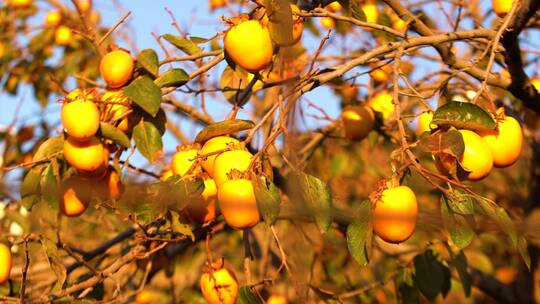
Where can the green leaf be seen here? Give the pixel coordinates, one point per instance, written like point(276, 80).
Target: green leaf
point(457, 226)
point(268, 198)
point(148, 140)
point(359, 233)
point(48, 148)
point(111, 132)
point(316, 194)
point(49, 185)
point(172, 78)
point(460, 202)
point(406, 287)
point(431, 276)
point(280, 21)
point(30, 188)
point(247, 296)
point(464, 115)
point(180, 227)
point(234, 82)
point(223, 128)
point(450, 142)
point(54, 260)
point(460, 263)
point(186, 45)
point(148, 60)
point(145, 93)
point(356, 11)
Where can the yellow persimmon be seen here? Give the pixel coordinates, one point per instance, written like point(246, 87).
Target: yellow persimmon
point(213, 145)
point(227, 161)
point(219, 287)
point(6, 262)
point(477, 158)
point(238, 203)
point(116, 68)
point(63, 35)
point(394, 214)
point(506, 143)
point(249, 45)
point(76, 195)
point(53, 18)
point(357, 121)
point(86, 156)
point(383, 103)
point(80, 119)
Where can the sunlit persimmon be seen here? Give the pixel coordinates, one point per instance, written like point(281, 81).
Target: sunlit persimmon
point(394, 214)
point(183, 161)
point(166, 174)
point(536, 83)
point(227, 161)
point(6, 262)
point(219, 287)
point(215, 4)
point(357, 121)
point(84, 5)
point(501, 7)
point(80, 119)
point(214, 145)
point(19, 3)
point(383, 103)
point(86, 156)
point(63, 35)
point(371, 11)
point(334, 6)
point(423, 123)
point(276, 299)
point(505, 143)
point(249, 45)
point(381, 74)
point(116, 68)
point(203, 209)
point(76, 194)
point(238, 203)
point(476, 158)
point(53, 18)
point(327, 23)
point(116, 110)
point(110, 186)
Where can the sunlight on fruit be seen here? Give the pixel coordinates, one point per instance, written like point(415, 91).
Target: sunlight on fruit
point(249, 45)
point(394, 214)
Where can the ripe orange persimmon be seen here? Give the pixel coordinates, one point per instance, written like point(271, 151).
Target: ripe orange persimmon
point(219, 287)
point(505, 144)
point(116, 68)
point(357, 121)
point(238, 203)
point(116, 107)
point(276, 299)
point(370, 10)
point(84, 5)
point(476, 158)
point(424, 122)
point(87, 156)
point(213, 145)
point(166, 174)
point(19, 3)
point(80, 119)
point(381, 74)
point(76, 195)
point(62, 35)
point(226, 161)
point(394, 214)
point(501, 7)
point(249, 45)
point(536, 83)
point(203, 210)
point(53, 18)
point(184, 159)
point(6, 262)
point(110, 186)
point(383, 104)
point(215, 4)
point(327, 23)
point(334, 6)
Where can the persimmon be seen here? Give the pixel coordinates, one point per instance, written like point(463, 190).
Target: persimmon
point(203, 209)
point(238, 203)
point(249, 45)
point(357, 121)
point(53, 18)
point(394, 214)
point(212, 145)
point(424, 122)
point(383, 103)
point(536, 83)
point(166, 174)
point(19, 3)
point(370, 10)
point(80, 119)
point(87, 156)
point(334, 6)
point(144, 297)
point(505, 143)
point(63, 35)
point(215, 4)
point(76, 195)
point(327, 23)
point(219, 287)
point(116, 107)
point(184, 159)
point(477, 158)
point(382, 73)
point(227, 161)
point(84, 5)
point(276, 299)
point(501, 7)
point(116, 68)
point(6, 262)
point(110, 186)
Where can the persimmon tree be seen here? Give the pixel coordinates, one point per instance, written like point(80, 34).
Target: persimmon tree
point(421, 185)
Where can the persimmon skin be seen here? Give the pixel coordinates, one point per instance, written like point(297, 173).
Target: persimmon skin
point(219, 287)
point(226, 161)
point(53, 18)
point(424, 122)
point(116, 68)
point(249, 45)
point(371, 11)
point(116, 107)
point(110, 186)
point(238, 203)
point(394, 214)
point(506, 143)
point(76, 195)
point(477, 157)
point(327, 23)
point(63, 35)
point(19, 3)
point(86, 156)
point(383, 103)
point(213, 145)
point(501, 7)
point(182, 161)
point(6, 262)
point(357, 121)
point(80, 119)
point(276, 299)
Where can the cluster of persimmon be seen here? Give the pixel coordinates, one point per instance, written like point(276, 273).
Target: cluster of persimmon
point(81, 114)
point(223, 163)
point(483, 149)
